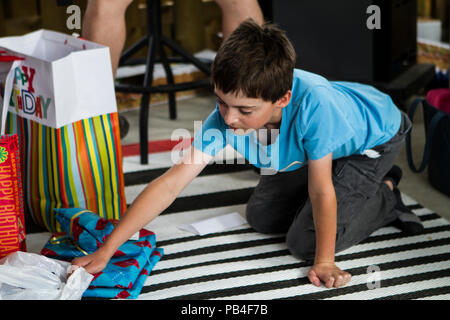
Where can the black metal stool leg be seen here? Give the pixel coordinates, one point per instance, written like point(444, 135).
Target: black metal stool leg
point(189, 57)
point(145, 99)
point(170, 81)
point(133, 49)
point(157, 30)
point(143, 127)
point(155, 42)
point(154, 31)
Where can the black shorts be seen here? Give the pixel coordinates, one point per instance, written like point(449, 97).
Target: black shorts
point(62, 3)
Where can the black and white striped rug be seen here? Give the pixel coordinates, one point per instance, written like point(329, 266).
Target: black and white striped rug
point(243, 264)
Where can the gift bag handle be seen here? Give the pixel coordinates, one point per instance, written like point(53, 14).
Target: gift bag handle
point(8, 58)
point(429, 135)
point(4, 57)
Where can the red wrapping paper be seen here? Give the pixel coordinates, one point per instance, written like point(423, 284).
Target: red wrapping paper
point(12, 221)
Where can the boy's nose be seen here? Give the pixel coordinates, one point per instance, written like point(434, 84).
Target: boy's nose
point(231, 118)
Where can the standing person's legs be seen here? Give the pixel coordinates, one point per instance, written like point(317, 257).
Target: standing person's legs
point(236, 11)
point(365, 202)
point(104, 23)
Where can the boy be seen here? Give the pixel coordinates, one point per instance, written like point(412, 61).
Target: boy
point(328, 177)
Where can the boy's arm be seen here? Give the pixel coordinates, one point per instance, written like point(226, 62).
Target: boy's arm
point(324, 205)
point(153, 200)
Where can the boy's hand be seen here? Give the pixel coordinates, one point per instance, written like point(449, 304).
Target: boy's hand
point(328, 273)
point(93, 263)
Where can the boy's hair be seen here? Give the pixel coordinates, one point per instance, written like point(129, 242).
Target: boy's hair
point(257, 61)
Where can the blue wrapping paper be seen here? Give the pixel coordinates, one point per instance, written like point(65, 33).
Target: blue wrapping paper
point(84, 227)
point(127, 293)
point(127, 270)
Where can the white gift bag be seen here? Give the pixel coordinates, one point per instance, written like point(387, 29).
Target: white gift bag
point(62, 79)
point(57, 93)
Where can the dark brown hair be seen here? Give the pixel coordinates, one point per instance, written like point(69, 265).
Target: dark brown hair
point(255, 60)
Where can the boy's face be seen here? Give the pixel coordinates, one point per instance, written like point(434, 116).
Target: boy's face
point(243, 114)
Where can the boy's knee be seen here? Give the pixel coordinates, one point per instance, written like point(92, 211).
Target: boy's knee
point(301, 244)
point(253, 216)
point(270, 217)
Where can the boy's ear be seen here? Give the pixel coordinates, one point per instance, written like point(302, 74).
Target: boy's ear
point(284, 100)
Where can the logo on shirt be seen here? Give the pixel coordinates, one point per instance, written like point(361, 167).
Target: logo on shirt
point(258, 147)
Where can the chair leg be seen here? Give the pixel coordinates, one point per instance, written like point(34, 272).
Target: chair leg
point(170, 81)
point(145, 101)
point(155, 42)
point(133, 49)
point(143, 127)
point(191, 58)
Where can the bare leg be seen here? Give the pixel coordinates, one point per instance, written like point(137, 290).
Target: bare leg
point(104, 23)
point(389, 184)
point(236, 11)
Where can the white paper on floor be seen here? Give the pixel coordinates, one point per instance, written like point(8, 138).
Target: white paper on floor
point(216, 224)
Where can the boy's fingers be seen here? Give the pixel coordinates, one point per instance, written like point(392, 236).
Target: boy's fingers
point(342, 279)
point(95, 267)
point(339, 281)
point(79, 262)
point(91, 268)
point(347, 277)
point(314, 278)
point(329, 283)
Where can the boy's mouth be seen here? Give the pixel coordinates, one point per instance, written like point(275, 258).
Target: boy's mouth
point(240, 131)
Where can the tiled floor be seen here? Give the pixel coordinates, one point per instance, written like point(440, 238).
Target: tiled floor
point(198, 107)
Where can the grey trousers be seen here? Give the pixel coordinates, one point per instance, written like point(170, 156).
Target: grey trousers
point(280, 202)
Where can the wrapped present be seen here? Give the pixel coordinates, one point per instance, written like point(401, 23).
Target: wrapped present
point(85, 232)
point(133, 290)
point(124, 267)
point(86, 228)
point(12, 221)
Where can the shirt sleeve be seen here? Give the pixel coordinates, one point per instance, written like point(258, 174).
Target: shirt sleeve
point(210, 139)
point(324, 125)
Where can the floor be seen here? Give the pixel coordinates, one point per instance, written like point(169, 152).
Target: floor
point(197, 108)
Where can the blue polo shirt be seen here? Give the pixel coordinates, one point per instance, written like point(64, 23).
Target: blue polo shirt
point(323, 116)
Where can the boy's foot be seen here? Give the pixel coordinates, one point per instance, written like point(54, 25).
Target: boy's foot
point(407, 221)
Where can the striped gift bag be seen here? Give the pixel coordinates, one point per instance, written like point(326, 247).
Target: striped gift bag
point(77, 165)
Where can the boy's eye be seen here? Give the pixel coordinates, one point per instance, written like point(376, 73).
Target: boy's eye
point(223, 104)
point(244, 112)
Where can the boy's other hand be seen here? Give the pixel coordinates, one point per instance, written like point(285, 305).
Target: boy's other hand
point(329, 274)
point(92, 263)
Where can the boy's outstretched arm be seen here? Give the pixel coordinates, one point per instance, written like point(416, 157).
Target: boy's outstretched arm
point(324, 205)
point(153, 200)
